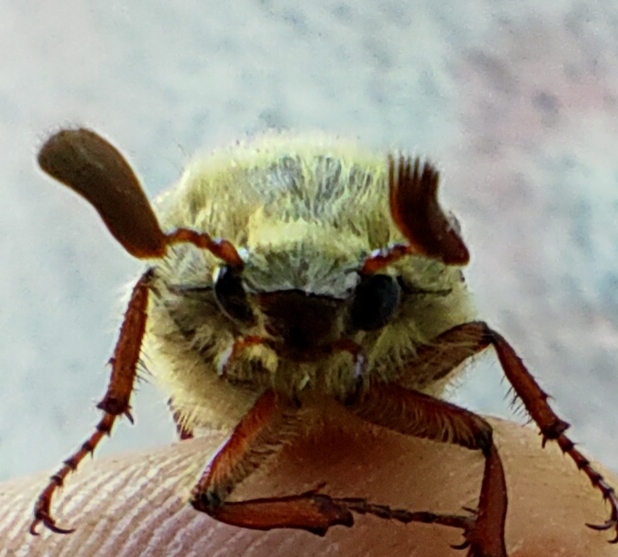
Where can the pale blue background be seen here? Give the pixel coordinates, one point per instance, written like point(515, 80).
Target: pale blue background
point(517, 101)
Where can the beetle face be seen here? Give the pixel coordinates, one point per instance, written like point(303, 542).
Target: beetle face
point(303, 326)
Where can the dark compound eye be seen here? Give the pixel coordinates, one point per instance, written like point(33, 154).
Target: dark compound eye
point(231, 296)
point(376, 300)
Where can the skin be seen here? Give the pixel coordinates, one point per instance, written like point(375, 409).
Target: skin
point(135, 504)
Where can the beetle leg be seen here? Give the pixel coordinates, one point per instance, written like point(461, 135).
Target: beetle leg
point(115, 402)
point(551, 426)
point(262, 433)
point(436, 360)
point(419, 415)
point(265, 429)
point(535, 400)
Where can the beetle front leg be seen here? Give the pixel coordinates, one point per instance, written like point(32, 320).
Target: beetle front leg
point(475, 337)
point(436, 360)
point(551, 426)
point(265, 429)
point(419, 415)
point(262, 433)
point(115, 402)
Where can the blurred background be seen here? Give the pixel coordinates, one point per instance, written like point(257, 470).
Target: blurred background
point(516, 102)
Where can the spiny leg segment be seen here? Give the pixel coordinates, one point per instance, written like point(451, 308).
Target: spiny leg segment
point(454, 346)
point(272, 423)
point(116, 401)
point(92, 167)
point(420, 415)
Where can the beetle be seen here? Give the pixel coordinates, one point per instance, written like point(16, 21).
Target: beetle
point(282, 273)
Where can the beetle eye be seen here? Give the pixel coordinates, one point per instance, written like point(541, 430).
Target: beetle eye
point(231, 296)
point(376, 300)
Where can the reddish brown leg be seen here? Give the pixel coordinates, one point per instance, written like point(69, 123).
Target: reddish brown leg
point(269, 425)
point(420, 415)
point(551, 426)
point(262, 433)
point(114, 403)
point(455, 345)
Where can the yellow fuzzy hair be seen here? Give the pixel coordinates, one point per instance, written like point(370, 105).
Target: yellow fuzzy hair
point(306, 211)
